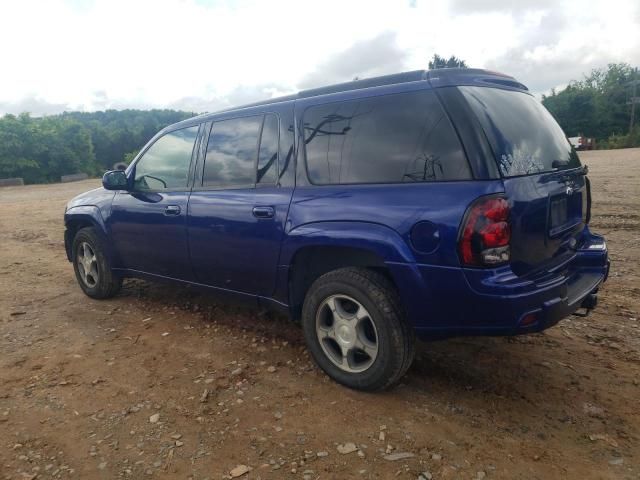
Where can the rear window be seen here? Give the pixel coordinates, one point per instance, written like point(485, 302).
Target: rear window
point(389, 139)
point(524, 136)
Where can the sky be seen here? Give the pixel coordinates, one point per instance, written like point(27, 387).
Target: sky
point(204, 55)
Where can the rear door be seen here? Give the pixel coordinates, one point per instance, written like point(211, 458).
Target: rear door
point(238, 207)
point(543, 178)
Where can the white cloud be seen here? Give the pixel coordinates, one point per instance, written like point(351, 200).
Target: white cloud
point(208, 54)
point(367, 58)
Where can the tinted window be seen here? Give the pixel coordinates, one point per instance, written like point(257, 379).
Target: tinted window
point(524, 136)
point(231, 152)
point(165, 165)
point(395, 138)
point(268, 156)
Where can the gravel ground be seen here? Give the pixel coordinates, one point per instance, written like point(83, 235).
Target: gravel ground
point(163, 382)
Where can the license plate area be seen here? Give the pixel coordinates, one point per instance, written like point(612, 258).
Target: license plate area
point(559, 219)
point(558, 212)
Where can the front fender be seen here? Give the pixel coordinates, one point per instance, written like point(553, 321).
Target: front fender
point(84, 216)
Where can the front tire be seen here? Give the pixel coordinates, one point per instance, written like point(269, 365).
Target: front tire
point(91, 266)
point(355, 329)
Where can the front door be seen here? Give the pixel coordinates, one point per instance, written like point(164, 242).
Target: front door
point(148, 223)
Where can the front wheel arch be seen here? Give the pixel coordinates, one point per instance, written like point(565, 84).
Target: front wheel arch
point(105, 283)
point(85, 216)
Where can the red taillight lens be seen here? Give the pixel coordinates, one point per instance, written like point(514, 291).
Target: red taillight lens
point(496, 234)
point(486, 233)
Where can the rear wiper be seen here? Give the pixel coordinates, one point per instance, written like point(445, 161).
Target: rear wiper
point(575, 172)
point(559, 164)
point(565, 174)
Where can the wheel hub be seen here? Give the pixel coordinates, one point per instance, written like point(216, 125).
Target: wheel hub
point(346, 334)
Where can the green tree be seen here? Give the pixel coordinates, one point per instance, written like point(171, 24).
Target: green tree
point(19, 148)
point(452, 62)
point(129, 157)
point(596, 106)
point(575, 110)
point(43, 149)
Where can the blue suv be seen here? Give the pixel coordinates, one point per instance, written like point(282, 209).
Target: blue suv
point(424, 204)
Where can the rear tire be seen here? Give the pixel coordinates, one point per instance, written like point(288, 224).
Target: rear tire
point(92, 269)
point(355, 329)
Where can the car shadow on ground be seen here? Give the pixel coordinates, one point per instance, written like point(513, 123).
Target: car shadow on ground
point(508, 367)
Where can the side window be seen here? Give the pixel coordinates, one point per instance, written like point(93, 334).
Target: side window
point(165, 165)
point(397, 138)
point(268, 155)
point(231, 152)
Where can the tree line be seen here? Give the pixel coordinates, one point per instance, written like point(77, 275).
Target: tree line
point(599, 106)
point(40, 150)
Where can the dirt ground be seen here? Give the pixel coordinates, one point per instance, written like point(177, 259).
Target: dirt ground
point(162, 382)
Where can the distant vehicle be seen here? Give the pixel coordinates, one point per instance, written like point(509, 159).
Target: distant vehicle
point(430, 204)
point(582, 143)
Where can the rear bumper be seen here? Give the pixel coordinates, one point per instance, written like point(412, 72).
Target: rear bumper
point(571, 297)
point(459, 302)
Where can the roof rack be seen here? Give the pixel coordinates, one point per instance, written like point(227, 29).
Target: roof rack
point(394, 78)
point(442, 76)
point(413, 76)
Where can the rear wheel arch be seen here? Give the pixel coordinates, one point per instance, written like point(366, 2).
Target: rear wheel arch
point(311, 262)
point(313, 249)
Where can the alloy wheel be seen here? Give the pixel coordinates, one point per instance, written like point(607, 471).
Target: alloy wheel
point(346, 333)
point(87, 264)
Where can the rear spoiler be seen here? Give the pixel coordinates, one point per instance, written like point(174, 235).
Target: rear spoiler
point(448, 77)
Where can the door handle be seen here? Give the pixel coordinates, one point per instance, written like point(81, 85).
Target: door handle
point(263, 212)
point(172, 210)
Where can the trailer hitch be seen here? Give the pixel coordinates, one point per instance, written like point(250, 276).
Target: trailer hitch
point(589, 303)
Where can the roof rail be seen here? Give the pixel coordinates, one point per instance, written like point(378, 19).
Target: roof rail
point(413, 76)
point(437, 77)
point(403, 77)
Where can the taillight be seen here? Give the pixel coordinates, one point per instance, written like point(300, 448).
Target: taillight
point(486, 233)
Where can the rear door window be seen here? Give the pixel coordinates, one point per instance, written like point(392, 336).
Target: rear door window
point(524, 136)
point(389, 139)
point(231, 155)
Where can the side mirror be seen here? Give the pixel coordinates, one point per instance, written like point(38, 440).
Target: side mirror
point(115, 180)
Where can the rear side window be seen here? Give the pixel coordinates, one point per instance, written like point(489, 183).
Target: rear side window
point(524, 136)
point(390, 139)
point(231, 153)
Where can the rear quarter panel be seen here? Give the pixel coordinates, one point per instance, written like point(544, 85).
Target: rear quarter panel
point(398, 207)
